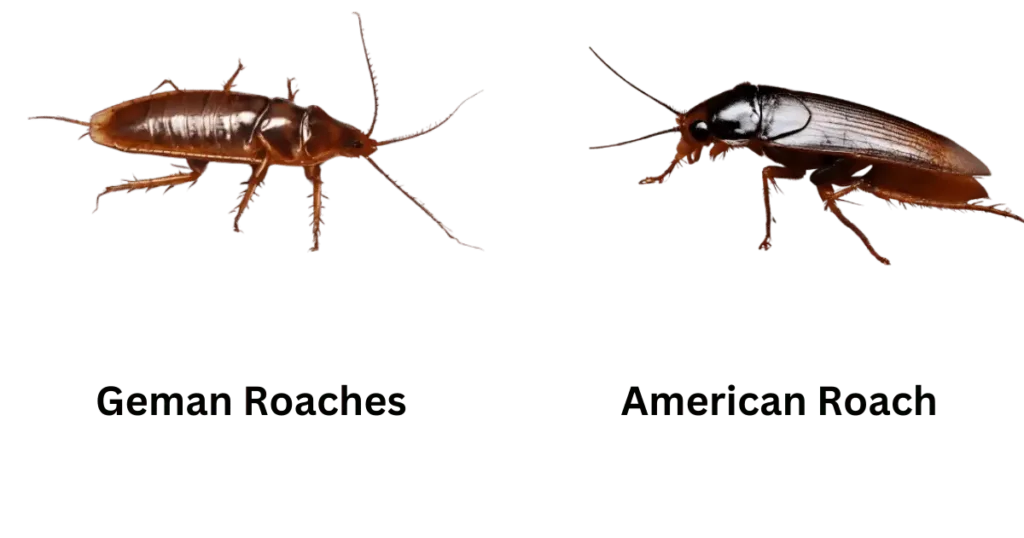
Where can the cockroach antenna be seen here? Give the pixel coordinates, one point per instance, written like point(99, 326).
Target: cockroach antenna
point(666, 131)
point(428, 129)
point(288, 134)
point(674, 111)
point(848, 146)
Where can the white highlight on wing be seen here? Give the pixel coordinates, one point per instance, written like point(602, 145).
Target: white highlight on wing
point(783, 115)
point(845, 128)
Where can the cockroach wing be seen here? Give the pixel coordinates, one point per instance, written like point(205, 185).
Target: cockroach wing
point(782, 114)
point(840, 127)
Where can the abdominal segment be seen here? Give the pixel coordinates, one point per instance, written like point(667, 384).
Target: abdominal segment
point(218, 125)
point(928, 184)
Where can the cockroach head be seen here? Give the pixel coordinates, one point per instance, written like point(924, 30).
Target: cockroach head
point(732, 116)
point(326, 137)
point(694, 134)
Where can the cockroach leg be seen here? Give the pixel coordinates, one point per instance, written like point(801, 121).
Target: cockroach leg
point(853, 203)
point(902, 198)
point(371, 73)
point(188, 165)
point(683, 152)
point(770, 174)
point(840, 173)
point(421, 206)
point(661, 177)
point(196, 167)
point(231, 81)
point(313, 175)
point(291, 88)
point(166, 81)
point(718, 148)
point(829, 200)
point(259, 171)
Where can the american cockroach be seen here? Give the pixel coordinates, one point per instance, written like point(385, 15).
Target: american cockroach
point(836, 139)
point(226, 126)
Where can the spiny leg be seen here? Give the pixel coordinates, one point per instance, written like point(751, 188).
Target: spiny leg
point(886, 194)
point(682, 155)
point(291, 88)
point(231, 81)
point(421, 206)
point(196, 168)
point(313, 175)
point(664, 175)
point(718, 148)
point(770, 174)
point(841, 173)
point(826, 193)
point(259, 171)
point(161, 85)
point(188, 165)
point(371, 73)
point(691, 157)
point(427, 129)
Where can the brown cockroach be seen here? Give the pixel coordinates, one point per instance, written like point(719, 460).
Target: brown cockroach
point(836, 139)
point(225, 126)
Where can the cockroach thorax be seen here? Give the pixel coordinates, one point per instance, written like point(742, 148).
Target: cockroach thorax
point(327, 138)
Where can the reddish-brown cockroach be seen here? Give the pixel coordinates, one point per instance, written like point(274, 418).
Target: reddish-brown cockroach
point(225, 126)
point(836, 139)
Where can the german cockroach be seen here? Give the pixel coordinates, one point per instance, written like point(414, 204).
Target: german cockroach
point(225, 126)
point(837, 140)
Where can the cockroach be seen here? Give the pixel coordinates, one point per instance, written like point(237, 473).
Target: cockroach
point(201, 126)
point(836, 139)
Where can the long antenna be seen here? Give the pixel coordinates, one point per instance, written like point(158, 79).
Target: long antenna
point(375, 86)
point(671, 108)
point(642, 137)
point(428, 129)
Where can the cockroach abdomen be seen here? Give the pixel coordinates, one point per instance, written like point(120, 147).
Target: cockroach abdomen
point(925, 184)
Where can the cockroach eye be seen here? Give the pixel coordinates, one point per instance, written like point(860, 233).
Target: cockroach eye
point(699, 131)
point(257, 130)
point(850, 147)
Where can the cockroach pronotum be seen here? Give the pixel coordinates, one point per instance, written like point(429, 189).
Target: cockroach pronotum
point(836, 139)
point(225, 126)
